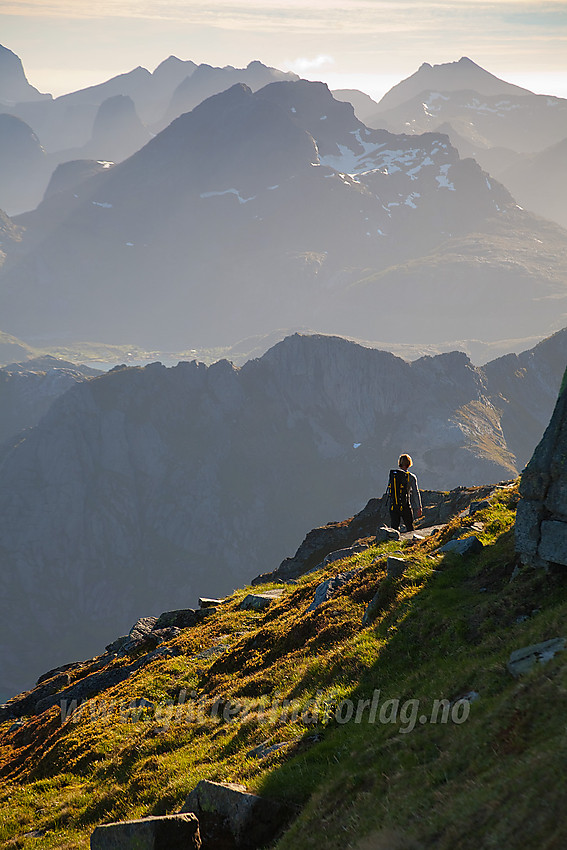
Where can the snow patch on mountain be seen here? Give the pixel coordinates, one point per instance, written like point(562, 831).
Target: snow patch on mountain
point(241, 200)
point(443, 180)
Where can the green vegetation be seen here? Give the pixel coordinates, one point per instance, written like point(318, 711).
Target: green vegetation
point(363, 729)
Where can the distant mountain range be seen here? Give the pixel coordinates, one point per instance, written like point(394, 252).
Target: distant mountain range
point(279, 204)
point(143, 488)
point(517, 136)
point(284, 209)
point(108, 121)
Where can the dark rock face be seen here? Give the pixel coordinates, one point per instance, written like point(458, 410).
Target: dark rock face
point(541, 521)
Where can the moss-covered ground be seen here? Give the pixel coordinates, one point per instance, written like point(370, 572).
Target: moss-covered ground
point(409, 731)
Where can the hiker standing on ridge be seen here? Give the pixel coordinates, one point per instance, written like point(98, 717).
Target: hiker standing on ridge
point(403, 494)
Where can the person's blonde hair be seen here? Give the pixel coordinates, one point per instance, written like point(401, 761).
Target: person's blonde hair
point(405, 462)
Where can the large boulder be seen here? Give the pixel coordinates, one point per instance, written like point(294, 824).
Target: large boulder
point(227, 811)
point(541, 520)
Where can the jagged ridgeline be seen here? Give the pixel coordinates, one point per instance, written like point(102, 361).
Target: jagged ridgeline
point(403, 694)
point(142, 489)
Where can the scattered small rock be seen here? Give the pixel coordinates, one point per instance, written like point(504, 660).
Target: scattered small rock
point(260, 601)
point(262, 751)
point(328, 588)
point(396, 567)
point(463, 546)
point(205, 602)
point(385, 533)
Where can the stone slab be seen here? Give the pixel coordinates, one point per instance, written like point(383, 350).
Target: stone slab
point(169, 832)
point(522, 660)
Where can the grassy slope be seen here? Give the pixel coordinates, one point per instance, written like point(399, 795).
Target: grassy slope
point(445, 628)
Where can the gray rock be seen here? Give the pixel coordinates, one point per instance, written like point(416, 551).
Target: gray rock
point(169, 832)
point(553, 544)
point(250, 820)
point(463, 546)
point(262, 751)
point(260, 601)
point(205, 602)
point(328, 588)
point(343, 553)
point(27, 703)
point(396, 566)
point(117, 645)
point(181, 619)
point(522, 660)
point(541, 519)
point(385, 533)
point(529, 515)
point(142, 628)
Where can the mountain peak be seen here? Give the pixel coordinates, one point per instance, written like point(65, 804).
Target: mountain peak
point(14, 85)
point(449, 76)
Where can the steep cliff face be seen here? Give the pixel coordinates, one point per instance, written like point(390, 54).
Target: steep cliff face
point(143, 488)
point(28, 390)
point(541, 522)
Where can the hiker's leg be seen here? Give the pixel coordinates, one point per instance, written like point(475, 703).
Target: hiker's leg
point(407, 515)
point(394, 517)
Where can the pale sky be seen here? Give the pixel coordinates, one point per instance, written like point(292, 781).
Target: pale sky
point(367, 44)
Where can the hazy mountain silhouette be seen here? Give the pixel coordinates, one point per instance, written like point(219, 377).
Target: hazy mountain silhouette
point(448, 77)
point(144, 488)
point(67, 121)
point(538, 181)
point(24, 170)
point(364, 106)
point(117, 133)
point(206, 81)
point(14, 85)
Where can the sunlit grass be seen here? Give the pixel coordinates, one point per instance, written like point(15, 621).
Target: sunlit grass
point(272, 710)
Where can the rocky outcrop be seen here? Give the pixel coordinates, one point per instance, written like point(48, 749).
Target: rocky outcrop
point(541, 521)
point(438, 507)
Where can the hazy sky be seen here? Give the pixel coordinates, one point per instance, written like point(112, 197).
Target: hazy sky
point(368, 44)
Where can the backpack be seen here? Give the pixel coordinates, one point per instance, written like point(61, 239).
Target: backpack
point(399, 488)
